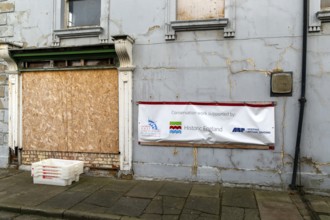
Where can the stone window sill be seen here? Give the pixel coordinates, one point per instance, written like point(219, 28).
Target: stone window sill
point(198, 25)
point(76, 32)
point(323, 16)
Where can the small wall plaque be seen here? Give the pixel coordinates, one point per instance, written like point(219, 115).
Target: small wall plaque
point(281, 84)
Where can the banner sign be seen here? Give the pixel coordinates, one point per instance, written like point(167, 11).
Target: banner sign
point(207, 123)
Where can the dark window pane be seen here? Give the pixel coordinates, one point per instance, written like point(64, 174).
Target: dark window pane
point(84, 12)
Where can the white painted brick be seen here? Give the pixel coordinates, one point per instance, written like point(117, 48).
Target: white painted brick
point(3, 19)
point(7, 31)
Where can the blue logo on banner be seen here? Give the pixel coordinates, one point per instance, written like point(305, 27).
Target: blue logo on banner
point(241, 130)
point(152, 124)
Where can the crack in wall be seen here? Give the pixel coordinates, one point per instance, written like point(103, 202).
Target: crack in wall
point(283, 132)
point(244, 66)
point(195, 163)
point(315, 165)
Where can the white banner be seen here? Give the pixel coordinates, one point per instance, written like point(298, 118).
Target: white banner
point(207, 123)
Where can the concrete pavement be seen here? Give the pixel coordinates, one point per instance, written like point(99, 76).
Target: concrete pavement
point(109, 198)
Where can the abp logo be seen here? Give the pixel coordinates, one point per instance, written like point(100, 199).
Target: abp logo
point(241, 130)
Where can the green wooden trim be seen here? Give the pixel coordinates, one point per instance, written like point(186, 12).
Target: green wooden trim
point(19, 55)
point(64, 53)
point(22, 70)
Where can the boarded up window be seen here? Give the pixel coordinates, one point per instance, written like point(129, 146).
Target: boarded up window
point(199, 9)
point(71, 111)
point(325, 4)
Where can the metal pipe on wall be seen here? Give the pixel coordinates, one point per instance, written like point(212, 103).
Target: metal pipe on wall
point(302, 99)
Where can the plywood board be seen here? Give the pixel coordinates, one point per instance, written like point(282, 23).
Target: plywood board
point(200, 9)
point(44, 111)
point(94, 111)
point(75, 111)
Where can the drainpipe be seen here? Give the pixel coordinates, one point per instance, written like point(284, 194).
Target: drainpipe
point(302, 99)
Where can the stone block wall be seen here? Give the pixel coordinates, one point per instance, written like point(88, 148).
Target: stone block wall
point(6, 7)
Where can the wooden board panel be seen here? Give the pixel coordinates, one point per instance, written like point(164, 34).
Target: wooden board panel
point(94, 115)
point(200, 9)
point(44, 111)
point(325, 4)
point(75, 111)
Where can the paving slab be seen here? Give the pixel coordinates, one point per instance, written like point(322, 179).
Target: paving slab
point(235, 197)
point(69, 214)
point(319, 203)
point(158, 217)
point(103, 198)
point(149, 216)
point(9, 172)
point(200, 216)
point(86, 208)
point(155, 206)
point(16, 182)
point(120, 185)
point(129, 206)
point(324, 217)
point(251, 214)
point(34, 217)
point(7, 215)
point(32, 195)
point(276, 205)
point(175, 189)
point(89, 184)
point(172, 205)
point(206, 205)
point(64, 201)
point(232, 213)
point(145, 189)
point(170, 217)
point(204, 190)
point(273, 196)
point(129, 218)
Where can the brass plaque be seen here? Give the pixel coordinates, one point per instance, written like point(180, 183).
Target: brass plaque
point(281, 83)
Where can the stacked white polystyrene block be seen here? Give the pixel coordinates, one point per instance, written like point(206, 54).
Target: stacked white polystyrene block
point(56, 171)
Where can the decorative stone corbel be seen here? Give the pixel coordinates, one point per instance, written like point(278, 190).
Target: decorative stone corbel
point(123, 47)
point(314, 23)
point(13, 105)
point(230, 13)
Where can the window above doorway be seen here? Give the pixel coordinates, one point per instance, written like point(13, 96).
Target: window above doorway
point(82, 13)
point(325, 5)
point(81, 19)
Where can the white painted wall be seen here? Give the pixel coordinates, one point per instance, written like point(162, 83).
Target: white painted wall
point(205, 66)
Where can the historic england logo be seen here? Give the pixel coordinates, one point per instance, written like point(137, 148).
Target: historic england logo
point(175, 127)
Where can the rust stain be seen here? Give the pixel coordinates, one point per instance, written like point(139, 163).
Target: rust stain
point(309, 161)
point(175, 152)
point(7, 7)
point(195, 164)
point(153, 28)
